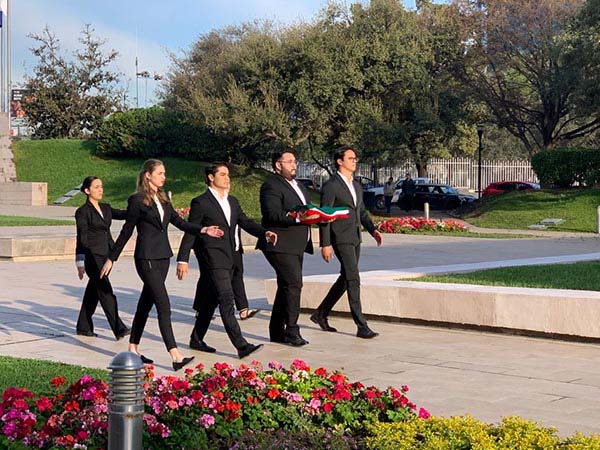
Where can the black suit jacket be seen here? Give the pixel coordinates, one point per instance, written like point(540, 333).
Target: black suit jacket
point(93, 230)
point(215, 253)
point(335, 192)
point(152, 238)
point(277, 198)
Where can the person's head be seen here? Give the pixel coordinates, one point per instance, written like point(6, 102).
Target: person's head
point(407, 174)
point(217, 176)
point(150, 181)
point(285, 164)
point(92, 187)
point(345, 159)
point(390, 180)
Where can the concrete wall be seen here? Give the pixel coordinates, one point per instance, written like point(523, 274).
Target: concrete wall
point(24, 194)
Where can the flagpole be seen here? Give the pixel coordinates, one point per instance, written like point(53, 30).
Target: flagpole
point(8, 62)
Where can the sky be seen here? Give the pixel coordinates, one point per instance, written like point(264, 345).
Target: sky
point(150, 29)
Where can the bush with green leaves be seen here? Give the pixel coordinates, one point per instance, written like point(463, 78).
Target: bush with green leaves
point(465, 432)
point(155, 132)
point(562, 167)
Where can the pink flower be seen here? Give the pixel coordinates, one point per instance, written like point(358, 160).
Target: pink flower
point(424, 414)
point(207, 420)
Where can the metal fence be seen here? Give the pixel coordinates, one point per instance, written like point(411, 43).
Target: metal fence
point(458, 172)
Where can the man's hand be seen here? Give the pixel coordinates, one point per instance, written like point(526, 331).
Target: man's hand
point(271, 237)
point(182, 270)
point(80, 272)
point(378, 238)
point(212, 231)
point(327, 253)
point(106, 268)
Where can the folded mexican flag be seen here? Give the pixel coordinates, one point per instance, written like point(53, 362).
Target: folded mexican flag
point(317, 214)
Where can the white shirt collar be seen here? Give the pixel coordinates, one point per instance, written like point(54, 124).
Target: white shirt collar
point(216, 194)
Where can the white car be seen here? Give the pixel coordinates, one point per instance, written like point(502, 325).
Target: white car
point(378, 191)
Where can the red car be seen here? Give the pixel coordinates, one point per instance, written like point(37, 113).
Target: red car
point(501, 187)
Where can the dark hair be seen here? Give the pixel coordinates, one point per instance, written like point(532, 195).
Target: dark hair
point(144, 187)
point(277, 156)
point(87, 183)
point(340, 152)
point(213, 169)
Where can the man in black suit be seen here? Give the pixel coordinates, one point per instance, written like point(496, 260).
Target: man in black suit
point(217, 257)
point(278, 195)
point(343, 237)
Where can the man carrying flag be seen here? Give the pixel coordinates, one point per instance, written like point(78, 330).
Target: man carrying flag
point(343, 237)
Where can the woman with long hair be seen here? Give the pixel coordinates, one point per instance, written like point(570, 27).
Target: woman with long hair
point(150, 211)
point(94, 242)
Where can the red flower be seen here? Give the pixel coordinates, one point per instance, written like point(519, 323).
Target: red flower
point(82, 436)
point(58, 381)
point(189, 371)
point(328, 407)
point(43, 404)
point(424, 414)
point(321, 372)
point(298, 364)
point(72, 406)
point(273, 394)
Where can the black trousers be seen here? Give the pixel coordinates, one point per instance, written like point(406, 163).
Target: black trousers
point(348, 281)
point(286, 307)
point(388, 203)
point(98, 290)
point(153, 273)
point(221, 295)
point(204, 288)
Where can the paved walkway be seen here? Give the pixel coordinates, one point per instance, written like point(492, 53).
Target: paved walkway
point(449, 371)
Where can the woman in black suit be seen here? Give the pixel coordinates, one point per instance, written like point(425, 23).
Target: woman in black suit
point(94, 241)
point(150, 211)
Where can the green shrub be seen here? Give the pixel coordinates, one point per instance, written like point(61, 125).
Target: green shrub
point(564, 166)
point(155, 132)
point(465, 432)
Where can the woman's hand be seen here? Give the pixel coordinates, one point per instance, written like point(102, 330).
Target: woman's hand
point(80, 272)
point(213, 231)
point(106, 268)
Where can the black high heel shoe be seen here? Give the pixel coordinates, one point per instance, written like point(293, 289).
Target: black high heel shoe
point(180, 364)
point(146, 360)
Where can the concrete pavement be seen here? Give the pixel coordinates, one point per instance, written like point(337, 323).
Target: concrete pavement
point(449, 371)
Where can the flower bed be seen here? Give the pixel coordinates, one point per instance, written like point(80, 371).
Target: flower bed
point(208, 409)
point(415, 224)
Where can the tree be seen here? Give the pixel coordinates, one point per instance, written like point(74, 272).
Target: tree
point(71, 97)
point(518, 60)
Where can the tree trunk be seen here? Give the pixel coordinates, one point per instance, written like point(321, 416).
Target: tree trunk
point(421, 168)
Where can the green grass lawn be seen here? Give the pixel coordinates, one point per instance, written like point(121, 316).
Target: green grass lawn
point(22, 221)
point(580, 276)
point(35, 375)
point(518, 210)
point(63, 164)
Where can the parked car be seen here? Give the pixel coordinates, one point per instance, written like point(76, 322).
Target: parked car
point(439, 196)
point(374, 196)
point(508, 186)
point(366, 182)
point(310, 184)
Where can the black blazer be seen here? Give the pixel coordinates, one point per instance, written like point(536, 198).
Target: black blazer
point(277, 198)
point(93, 230)
point(335, 192)
point(215, 253)
point(152, 238)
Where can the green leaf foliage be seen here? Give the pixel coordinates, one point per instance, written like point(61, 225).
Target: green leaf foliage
point(565, 166)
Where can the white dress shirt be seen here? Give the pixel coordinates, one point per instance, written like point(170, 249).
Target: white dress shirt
point(161, 211)
point(350, 185)
point(296, 188)
point(226, 207)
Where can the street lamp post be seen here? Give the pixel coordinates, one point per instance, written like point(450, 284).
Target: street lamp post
point(480, 134)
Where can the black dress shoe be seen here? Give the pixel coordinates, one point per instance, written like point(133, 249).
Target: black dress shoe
point(278, 340)
point(123, 333)
point(322, 322)
point(366, 333)
point(248, 349)
point(180, 364)
point(146, 360)
point(86, 333)
point(202, 347)
point(296, 341)
point(249, 313)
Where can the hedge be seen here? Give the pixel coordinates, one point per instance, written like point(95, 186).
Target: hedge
point(465, 432)
point(155, 132)
point(562, 167)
